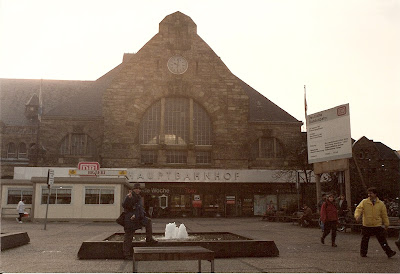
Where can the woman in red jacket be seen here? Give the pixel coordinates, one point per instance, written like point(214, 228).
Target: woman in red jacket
point(329, 216)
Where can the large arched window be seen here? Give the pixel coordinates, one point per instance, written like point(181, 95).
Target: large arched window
point(267, 148)
point(175, 123)
point(78, 144)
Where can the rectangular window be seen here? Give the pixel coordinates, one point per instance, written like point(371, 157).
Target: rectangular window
point(203, 157)
point(176, 157)
point(148, 157)
point(58, 195)
point(16, 195)
point(99, 195)
point(267, 148)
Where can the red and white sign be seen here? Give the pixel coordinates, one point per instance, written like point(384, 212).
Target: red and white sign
point(230, 200)
point(88, 166)
point(197, 203)
point(329, 135)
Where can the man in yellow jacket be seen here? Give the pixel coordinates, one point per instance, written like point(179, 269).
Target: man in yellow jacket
point(373, 213)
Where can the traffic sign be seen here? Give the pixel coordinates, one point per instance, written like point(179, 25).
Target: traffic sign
point(50, 177)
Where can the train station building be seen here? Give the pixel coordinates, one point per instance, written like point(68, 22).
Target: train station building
point(172, 117)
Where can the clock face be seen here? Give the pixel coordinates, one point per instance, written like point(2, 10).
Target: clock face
point(177, 64)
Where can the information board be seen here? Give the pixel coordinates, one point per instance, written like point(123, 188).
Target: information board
point(329, 134)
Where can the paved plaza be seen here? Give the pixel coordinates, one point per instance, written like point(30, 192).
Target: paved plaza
point(55, 249)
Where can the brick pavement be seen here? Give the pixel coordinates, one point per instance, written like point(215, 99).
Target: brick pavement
point(55, 250)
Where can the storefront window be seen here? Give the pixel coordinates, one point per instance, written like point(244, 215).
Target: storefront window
point(210, 201)
point(99, 195)
point(180, 200)
point(58, 195)
point(16, 195)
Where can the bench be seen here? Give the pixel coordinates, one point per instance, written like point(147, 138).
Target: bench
point(11, 212)
point(296, 217)
point(172, 253)
point(394, 226)
point(392, 229)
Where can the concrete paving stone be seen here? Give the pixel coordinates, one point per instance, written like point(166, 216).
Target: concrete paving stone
point(55, 249)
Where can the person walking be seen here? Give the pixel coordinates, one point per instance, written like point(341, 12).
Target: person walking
point(374, 213)
point(329, 217)
point(21, 210)
point(319, 205)
point(135, 219)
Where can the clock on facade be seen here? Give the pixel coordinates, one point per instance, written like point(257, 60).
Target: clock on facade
point(177, 64)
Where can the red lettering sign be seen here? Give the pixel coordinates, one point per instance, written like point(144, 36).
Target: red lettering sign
point(88, 166)
point(197, 203)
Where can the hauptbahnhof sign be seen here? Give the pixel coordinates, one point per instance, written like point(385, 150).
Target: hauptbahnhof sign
point(329, 135)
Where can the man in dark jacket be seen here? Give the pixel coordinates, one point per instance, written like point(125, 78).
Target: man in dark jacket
point(135, 219)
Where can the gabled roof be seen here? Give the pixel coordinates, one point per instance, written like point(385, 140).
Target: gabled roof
point(16, 92)
point(263, 110)
point(384, 151)
point(61, 98)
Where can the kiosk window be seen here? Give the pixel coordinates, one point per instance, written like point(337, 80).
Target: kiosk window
point(58, 195)
point(99, 195)
point(16, 195)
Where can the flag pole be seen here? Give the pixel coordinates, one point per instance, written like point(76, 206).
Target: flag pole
point(305, 107)
point(39, 119)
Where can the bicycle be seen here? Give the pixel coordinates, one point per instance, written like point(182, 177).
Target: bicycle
point(343, 221)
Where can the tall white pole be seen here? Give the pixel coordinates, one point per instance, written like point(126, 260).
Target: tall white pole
point(305, 108)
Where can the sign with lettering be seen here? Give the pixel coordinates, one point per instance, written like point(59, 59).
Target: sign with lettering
point(88, 166)
point(100, 172)
point(50, 177)
point(230, 200)
point(329, 135)
point(167, 175)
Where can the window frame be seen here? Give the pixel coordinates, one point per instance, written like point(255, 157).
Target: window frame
point(70, 147)
point(100, 188)
point(175, 124)
point(277, 149)
point(22, 155)
point(14, 153)
point(43, 200)
point(21, 195)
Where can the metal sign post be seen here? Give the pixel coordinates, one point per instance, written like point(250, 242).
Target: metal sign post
point(50, 182)
point(298, 187)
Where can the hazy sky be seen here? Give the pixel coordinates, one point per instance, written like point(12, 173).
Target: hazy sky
point(343, 51)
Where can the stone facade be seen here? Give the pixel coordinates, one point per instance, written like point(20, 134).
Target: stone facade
point(110, 110)
point(145, 79)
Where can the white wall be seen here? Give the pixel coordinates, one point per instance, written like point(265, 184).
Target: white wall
point(78, 209)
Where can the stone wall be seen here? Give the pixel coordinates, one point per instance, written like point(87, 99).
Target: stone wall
point(145, 79)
